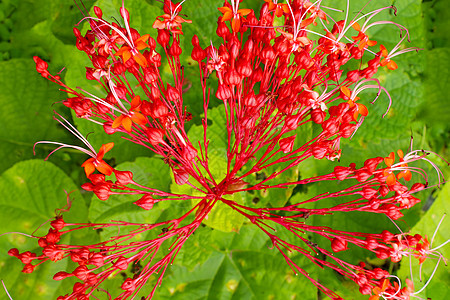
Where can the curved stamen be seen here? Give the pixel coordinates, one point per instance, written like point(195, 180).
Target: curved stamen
point(429, 279)
point(110, 26)
point(74, 131)
point(6, 290)
point(434, 234)
point(359, 89)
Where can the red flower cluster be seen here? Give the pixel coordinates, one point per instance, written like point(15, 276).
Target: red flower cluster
point(272, 80)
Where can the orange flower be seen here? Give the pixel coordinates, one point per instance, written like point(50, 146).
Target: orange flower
point(295, 41)
point(379, 290)
point(133, 116)
point(279, 8)
point(98, 163)
point(386, 61)
point(127, 52)
point(172, 23)
point(362, 38)
point(361, 109)
point(389, 161)
point(235, 17)
point(405, 174)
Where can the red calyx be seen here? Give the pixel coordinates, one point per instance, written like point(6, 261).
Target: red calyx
point(155, 136)
point(146, 202)
point(338, 244)
point(123, 177)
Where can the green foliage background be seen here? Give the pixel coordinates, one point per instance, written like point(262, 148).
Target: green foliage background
point(213, 264)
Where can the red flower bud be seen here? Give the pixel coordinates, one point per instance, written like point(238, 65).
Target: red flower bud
point(81, 272)
point(368, 192)
point(87, 186)
point(319, 150)
point(58, 223)
point(338, 244)
point(257, 74)
point(267, 54)
point(363, 174)
point(232, 78)
point(128, 285)
point(146, 202)
point(383, 190)
point(103, 191)
point(330, 126)
point(96, 259)
point(386, 236)
point(123, 177)
point(223, 92)
point(287, 144)
point(13, 252)
point(175, 49)
point(342, 172)
point(222, 30)
point(318, 115)
point(380, 273)
point(98, 12)
point(155, 136)
point(172, 94)
point(416, 187)
point(198, 53)
point(371, 243)
point(163, 37)
point(121, 263)
point(53, 253)
point(365, 289)
point(372, 163)
point(150, 75)
point(181, 177)
point(28, 268)
point(53, 236)
point(353, 76)
point(41, 66)
point(382, 253)
point(346, 130)
point(61, 275)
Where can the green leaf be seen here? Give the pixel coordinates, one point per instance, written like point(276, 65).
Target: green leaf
point(437, 79)
point(437, 18)
point(26, 116)
point(224, 218)
point(60, 17)
point(242, 268)
point(31, 191)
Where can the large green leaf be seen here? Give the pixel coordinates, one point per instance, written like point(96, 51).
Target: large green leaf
point(241, 266)
point(26, 116)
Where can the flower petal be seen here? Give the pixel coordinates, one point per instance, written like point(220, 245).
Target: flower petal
point(140, 59)
point(126, 123)
point(103, 149)
point(89, 167)
point(117, 122)
point(104, 168)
